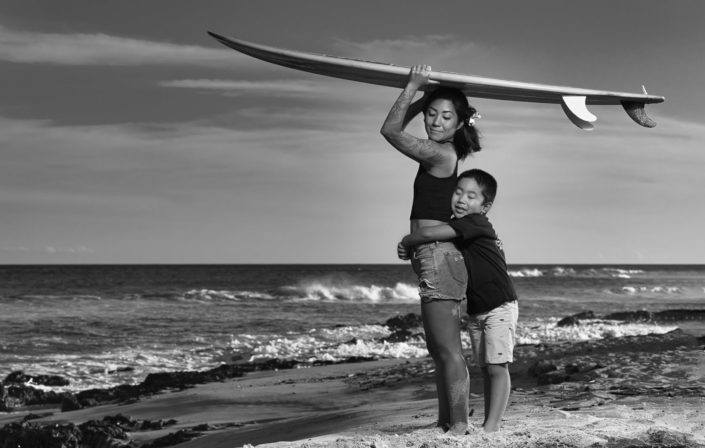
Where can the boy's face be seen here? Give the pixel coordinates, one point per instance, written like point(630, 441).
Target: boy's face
point(468, 198)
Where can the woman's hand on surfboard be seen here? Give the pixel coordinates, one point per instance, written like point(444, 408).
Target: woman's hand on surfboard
point(419, 76)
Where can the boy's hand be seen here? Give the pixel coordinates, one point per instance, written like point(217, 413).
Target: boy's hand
point(402, 252)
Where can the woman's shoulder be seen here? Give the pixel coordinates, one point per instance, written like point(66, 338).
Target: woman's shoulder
point(445, 156)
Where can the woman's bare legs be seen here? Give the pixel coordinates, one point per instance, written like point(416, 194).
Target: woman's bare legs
point(441, 321)
point(497, 385)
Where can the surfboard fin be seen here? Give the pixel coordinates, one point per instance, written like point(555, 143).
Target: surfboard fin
point(577, 112)
point(636, 112)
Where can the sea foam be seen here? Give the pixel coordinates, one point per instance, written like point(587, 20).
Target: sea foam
point(321, 290)
point(546, 330)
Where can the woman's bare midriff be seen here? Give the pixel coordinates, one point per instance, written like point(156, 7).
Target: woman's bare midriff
point(418, 223)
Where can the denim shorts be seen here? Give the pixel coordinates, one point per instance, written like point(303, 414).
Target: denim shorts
point(493, 334)
point(441, 271)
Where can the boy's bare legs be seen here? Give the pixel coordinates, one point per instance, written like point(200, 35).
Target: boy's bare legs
point(486, 392)
point(441, 320)
point(497, 386)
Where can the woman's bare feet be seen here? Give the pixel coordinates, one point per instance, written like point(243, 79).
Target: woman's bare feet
point(458, 429)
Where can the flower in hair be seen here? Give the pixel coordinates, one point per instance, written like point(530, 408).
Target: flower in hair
point(475, 116)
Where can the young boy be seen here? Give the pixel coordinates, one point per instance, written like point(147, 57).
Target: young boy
point(492, 301)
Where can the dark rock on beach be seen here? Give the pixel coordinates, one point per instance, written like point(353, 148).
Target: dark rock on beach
point(655, 438)
point(649, 365)
point(122, 369)
point(34, 435)
point(403, 328)
point(110, 432)
point(554, 377)
point(636, 316)
point(581, 367)
point(70, 403)
point(678, 315)
point(657, 316)
point(91, 434)
point(183, 435)
point(19, 395)
point(35, 416)
point(19, 377)
point(158, 382)
point(541, 367)
point(631, 316)
point(575, 319)
point(409, 321)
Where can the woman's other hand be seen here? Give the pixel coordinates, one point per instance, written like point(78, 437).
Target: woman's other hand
point(402, 252)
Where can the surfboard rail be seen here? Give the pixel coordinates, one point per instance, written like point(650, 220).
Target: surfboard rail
point(573, 100)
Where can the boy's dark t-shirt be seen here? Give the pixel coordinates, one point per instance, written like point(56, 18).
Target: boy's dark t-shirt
point(489, 285)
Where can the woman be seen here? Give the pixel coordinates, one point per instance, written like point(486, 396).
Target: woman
point(439, 266)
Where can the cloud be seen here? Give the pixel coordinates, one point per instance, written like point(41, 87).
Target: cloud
point(284, 86)
point(66, 250)
point(131, 165)
point(428, 48)
point(103, 49)
point(575, 194)
point(193, 191)
point(14, 249)
point(443, 52)
point(48, 250)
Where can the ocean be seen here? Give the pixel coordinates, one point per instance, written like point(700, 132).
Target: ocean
point(105, 325)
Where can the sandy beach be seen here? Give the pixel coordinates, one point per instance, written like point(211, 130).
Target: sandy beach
point(615, 392)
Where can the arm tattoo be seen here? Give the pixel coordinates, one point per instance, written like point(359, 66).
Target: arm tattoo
point(393, 130)
point(395, 119)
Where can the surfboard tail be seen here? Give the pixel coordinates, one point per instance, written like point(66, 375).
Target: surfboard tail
point(636, 112)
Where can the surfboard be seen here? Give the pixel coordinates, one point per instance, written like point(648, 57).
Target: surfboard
point(573, 100)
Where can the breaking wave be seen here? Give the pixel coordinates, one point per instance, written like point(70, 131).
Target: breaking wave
point(209, 295)
point(322, 290)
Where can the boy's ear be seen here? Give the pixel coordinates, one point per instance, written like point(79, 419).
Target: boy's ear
point(486, 207)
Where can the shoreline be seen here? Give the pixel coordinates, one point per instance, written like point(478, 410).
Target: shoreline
point(559, 390)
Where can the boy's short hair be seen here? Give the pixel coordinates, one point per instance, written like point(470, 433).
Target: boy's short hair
point(485, 180)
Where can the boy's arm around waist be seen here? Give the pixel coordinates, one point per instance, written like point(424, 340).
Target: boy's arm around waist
point(441, 232)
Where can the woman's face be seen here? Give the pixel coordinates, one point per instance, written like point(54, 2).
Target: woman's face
point(441, 120)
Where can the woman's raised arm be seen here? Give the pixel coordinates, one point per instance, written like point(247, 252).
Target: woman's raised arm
point(421, 150)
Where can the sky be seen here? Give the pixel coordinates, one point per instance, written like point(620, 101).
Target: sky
point(128, 135)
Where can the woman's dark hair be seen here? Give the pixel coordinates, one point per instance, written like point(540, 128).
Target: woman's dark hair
point(466, 139)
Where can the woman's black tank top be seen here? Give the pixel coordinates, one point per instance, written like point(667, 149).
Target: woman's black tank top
point(432, 195)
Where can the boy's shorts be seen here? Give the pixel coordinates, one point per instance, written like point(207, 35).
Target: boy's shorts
point(493, 334)
point(441, 271)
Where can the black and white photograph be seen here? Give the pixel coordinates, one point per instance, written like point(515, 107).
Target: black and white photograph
point(352, 224)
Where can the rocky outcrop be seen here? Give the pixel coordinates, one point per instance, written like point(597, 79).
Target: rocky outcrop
point(403, 328)
point(575, 319)
point(658, 316)
point(14, 396)
point(110, 432)
point(19, 377)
